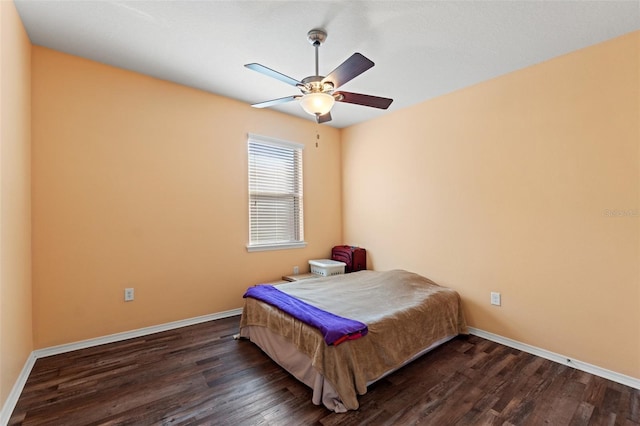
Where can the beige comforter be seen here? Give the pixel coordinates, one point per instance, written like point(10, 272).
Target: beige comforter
point(405, 313)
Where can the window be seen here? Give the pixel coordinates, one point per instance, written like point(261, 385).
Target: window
point(275, 194)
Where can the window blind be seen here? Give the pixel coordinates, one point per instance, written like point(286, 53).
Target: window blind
point(275, 193)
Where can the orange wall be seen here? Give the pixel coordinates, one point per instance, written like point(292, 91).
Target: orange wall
point(16, 341)
point(142, 183)
point(528, 185)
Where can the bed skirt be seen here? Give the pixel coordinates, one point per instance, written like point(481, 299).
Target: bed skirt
point(285, 354)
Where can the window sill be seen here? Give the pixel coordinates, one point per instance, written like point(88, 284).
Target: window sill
point(283, 246)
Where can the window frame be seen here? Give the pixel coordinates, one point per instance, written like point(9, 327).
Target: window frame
point(297, 149)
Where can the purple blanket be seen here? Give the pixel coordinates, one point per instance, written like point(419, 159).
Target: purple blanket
point(335, 329)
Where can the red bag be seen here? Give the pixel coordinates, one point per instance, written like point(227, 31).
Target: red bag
point(354, 257)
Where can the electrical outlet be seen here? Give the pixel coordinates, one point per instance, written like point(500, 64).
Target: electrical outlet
point(496, 299)
point(128, 294)
point(296, 271)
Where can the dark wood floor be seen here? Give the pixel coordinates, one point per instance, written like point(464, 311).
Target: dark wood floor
point(200, 375)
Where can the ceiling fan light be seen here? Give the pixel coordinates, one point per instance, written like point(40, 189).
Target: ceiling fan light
point(317, 103)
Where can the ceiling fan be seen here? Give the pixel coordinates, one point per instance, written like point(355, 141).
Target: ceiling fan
point(318, 92)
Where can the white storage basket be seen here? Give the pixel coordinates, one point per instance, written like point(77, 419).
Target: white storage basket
point(326, 267)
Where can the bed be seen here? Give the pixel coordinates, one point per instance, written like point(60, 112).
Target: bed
point(406, 315)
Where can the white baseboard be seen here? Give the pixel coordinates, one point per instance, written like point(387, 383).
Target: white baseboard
point(12, 399)
point(16, 390)
point(60, 349)
point(561, 359)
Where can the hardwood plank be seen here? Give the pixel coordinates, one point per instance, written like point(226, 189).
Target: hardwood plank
point(582, 416)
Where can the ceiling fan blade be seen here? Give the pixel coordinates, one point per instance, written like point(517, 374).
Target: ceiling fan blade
point(366, 100)
point(272, 73)
point(275, 101)
point(323, 118)
point(348, 70)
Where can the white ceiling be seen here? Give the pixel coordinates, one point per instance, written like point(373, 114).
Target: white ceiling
point(422, 49)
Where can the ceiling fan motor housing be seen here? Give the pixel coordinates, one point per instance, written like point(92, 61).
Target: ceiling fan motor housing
point(314, 84)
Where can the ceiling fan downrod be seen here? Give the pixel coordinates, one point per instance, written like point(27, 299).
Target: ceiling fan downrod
point(316, 37)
